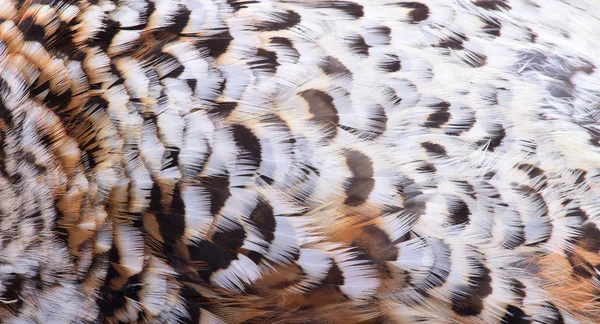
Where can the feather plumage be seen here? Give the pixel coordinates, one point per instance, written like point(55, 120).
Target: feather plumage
point(299, 161)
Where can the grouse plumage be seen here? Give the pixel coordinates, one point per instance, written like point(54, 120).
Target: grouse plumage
point(299, 161)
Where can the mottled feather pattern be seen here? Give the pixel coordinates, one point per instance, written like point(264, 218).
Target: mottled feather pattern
point(289, 161)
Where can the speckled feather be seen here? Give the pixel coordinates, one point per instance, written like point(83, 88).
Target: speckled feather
point(292, 161)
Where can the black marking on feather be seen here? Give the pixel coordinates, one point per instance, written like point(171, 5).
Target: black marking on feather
point(440, 270)
point(165, 59)
point(594, 137)
point(440, 117)
point(358, 45)
point(192, 83)
point(13, 286)
point(531, 170)
point(218, 188)
point(105, 36)
point(456, 128)
point(540, 203)
point(230, 240)
point(95, 104)
point(193, 303)
point(279, 21)
point(577, 212)
point(377, 245)
point(384, 31)
point(223, 109)
point(454, 42)
point(427, 168)
point(392, 96)
point(390, 64)
point(380, 120)
point(492, 4)
point(472, 303)
point(214, 256)
point(581, 267)
point(418, 13)
point(35, 89)
point(552, 315)
point(534, 172)
point(360, 185)
point(170, 158)
point(351, 8)
point(459, 213)
point(111, 299)
point(475, 60)
point(495, 139)
point(215, 45)
point(5, 114)
point(286, 43)
point(518, 288)
point(589, 238)
point(515, 315)
point(249, 145)
point(179, 20)
point(320, 105)
point(334, 277)
point(333, 66)
point(171, 222)
point(434, 149)
point(32, 31)
point(581, 177)
point(265, 61)
point(62, 40)
point(240, 4)
point(375, 129)
point(132, 287)
point(116, 73)
point(263, 218)
point(59, 102)
point(145, 15)
point(492, 26)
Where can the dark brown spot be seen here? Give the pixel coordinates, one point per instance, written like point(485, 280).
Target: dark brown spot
point(333, 66)
point(334, 277)
point(434, 149)
point(492, 4)
point(475, 60)
point(249, 146)
point(471, 304)
point(179, 20)
point(590, 237)
point(358, 45)
point(360, 185)
point(419, 13)
point(376, 244)
point(459, 213)
point(280, 21)
point(351, 8)
point(515, 315)
point(454, 42)
point(321, 106)
point(390, 64)
point(492, 26)
point(440, 117)
point(265, 61)
point(215, 45)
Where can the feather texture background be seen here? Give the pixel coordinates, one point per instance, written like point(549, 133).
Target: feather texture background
point(246, 161)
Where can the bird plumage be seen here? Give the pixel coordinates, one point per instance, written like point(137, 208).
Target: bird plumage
point(288, 161)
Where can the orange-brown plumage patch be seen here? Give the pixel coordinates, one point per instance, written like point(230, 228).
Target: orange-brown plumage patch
point(570, 282)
